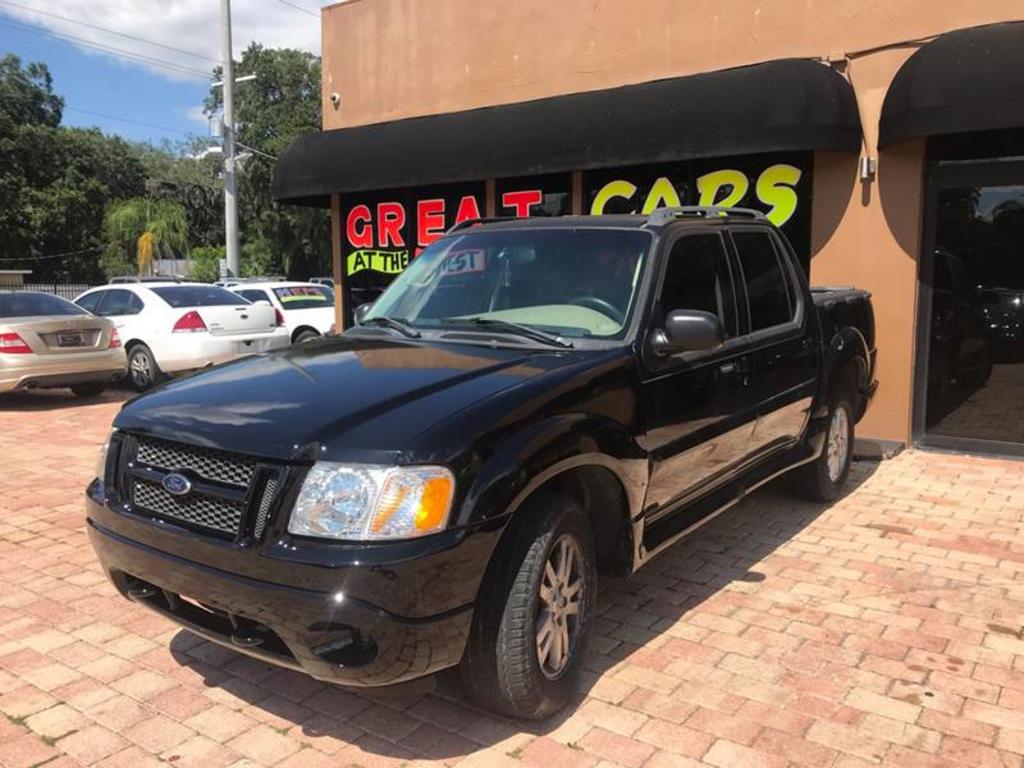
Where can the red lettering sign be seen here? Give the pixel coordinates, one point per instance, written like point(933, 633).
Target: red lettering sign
point(390, 220)
point(522, 201)
point(357, 227)
point(429, 220)
point(468, 209)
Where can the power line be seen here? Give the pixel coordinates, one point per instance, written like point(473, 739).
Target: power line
point(110, 31)
point(299, 8)
point(129, 120)
point(158, 63)
point(53, 255)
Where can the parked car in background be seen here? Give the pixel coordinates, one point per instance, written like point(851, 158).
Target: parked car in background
point(48, 342)
point(531, 402)
point(122, 279)
point(306, 309)
point(177, 327)
point(328, 281)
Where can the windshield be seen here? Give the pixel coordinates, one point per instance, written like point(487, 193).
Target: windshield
point(574, 282)
point(35, 305)
point(179, 296)
point(305, 297)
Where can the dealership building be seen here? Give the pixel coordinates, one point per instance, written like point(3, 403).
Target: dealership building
point(885, 138)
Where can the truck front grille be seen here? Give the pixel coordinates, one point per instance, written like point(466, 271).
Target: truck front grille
point(232, 496)
point(204, 511)
point(217, 466)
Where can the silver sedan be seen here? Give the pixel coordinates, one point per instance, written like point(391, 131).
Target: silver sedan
point(46, 342)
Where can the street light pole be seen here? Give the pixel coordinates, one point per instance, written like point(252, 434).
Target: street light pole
point(230, 189)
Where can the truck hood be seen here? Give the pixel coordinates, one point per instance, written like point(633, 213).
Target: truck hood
point(342, 398)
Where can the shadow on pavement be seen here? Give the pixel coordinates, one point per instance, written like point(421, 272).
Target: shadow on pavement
point(723, 552)
point(55, 399)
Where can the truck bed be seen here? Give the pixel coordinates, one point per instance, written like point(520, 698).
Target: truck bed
point(841, 306)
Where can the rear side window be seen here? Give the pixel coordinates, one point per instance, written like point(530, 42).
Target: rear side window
point(697, 277)
point(179, 296)
point(768, 291)
point(305, 297)
point(120, 302)
point(35, 304)
point(253, 294)
point(91, 302)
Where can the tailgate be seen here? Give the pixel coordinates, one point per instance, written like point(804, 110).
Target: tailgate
point(243, 319)
point(62, 335)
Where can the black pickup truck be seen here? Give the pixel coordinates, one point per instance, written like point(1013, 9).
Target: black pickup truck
point(530, 403)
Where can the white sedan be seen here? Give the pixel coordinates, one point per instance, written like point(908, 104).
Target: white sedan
point(177, 327)
point(306, 309)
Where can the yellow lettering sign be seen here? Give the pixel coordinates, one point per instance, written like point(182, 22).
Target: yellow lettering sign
point(618, 188)
point(710, 184)
point(662, 194)
point(388, 262)
point(775, 188)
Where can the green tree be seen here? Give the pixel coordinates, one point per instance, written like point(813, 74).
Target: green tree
point(279, 106)
point(206, 262)
point(55, 182)
point(181, 173)
point(141, 230)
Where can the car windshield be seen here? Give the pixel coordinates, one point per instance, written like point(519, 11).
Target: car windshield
point(573, 282)
point(179, 296)
point(36, 305)
point(305, 297)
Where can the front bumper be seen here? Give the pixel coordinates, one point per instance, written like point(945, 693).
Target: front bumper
point(332, 635)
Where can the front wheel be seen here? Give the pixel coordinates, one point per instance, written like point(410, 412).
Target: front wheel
point(142, 368)
point(823, 478)
point(525, 652)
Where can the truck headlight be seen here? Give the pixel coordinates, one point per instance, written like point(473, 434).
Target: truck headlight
point(101, 460)
point(368, 501)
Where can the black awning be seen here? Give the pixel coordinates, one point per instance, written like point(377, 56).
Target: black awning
point(967, 80)
point(790, 104)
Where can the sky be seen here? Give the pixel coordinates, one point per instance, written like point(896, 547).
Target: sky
point(152, 88)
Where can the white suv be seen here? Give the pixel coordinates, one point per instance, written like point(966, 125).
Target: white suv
point(178, 327)
point(305, 309)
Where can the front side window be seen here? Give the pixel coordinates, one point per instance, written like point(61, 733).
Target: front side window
point(35, 305)
point(179, 296)
point(697, 277)
point(305, 297)
point(91, 302)
point(574, 282)
point(768, 292)
point(120, 302)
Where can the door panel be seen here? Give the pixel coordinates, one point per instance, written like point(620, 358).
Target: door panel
point(698, 415)
point(784, 371)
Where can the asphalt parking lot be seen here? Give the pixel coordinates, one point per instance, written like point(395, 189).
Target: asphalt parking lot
point(887, 628)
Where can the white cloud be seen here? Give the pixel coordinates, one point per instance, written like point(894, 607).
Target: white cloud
point(196, 114)
point(190, 26)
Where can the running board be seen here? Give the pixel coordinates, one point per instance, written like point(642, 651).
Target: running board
point(675, 525)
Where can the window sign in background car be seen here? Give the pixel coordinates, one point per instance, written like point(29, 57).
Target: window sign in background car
point(778, 184)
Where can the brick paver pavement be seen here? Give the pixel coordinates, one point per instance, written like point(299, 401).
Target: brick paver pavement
point(887, 628)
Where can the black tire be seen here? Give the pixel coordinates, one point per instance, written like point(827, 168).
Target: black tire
point(501, 668)
point(89, 389)
point(817, 481)
point(304, 336)
point(143, 372)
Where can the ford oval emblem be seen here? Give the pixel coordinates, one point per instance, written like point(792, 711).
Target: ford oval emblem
point(177, 484)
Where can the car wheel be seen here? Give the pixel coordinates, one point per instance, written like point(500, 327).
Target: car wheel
point(525, 652)
point(143, 371)
point(304, 336)
point(823, 478)
point(89, 389)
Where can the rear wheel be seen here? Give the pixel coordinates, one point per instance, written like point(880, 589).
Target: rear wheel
point(823, 478)
point(304, 336)
point(89, 389)
point(525, 653)
point(143, 371)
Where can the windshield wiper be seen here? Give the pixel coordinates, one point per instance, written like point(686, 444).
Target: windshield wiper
point(395, 324)
point(504, 326)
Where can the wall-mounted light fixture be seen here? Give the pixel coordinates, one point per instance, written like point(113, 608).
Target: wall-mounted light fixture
point(868, 167)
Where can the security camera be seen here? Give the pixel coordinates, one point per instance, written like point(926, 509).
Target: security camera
point(335, 98)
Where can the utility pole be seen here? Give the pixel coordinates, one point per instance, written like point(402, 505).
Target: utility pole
point(230, 189)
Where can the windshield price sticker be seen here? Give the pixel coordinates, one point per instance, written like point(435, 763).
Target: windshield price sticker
point(464, 262)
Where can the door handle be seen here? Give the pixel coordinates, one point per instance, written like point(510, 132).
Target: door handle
point(733, 366)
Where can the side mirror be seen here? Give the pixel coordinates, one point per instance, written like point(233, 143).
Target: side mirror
point(362, 311)
point(689, 330)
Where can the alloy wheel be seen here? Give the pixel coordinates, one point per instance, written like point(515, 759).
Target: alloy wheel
point(838, 443)
point(142, 374)
point(560, 600)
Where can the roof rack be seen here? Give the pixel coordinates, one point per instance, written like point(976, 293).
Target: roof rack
point(662, 216)
point(480, 220)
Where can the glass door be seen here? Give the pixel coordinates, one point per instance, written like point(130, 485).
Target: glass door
point(969, 388)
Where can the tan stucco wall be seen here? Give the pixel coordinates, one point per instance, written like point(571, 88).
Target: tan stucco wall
point(390, 59)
